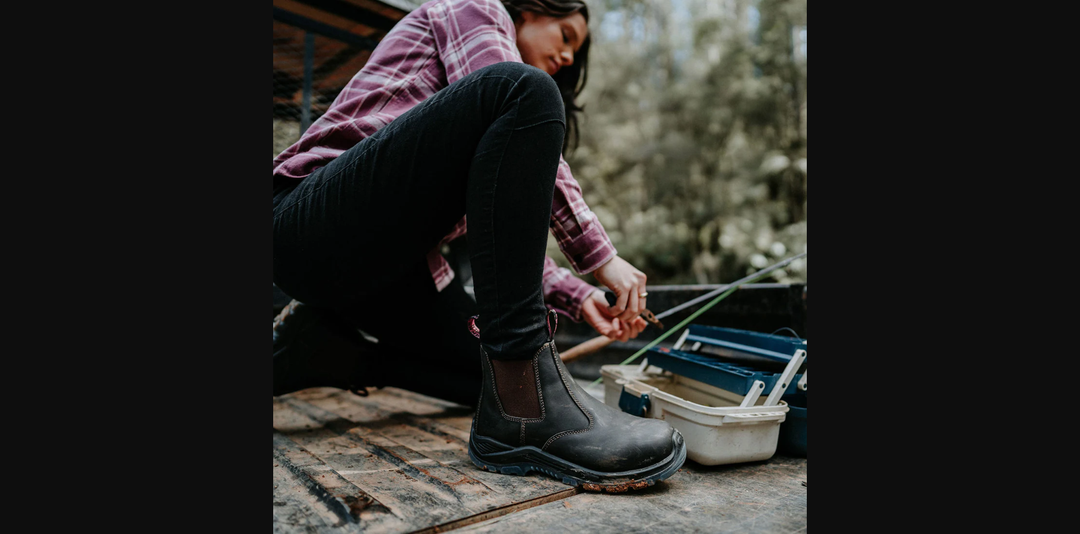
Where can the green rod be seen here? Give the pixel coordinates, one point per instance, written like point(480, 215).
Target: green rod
point(703, 309)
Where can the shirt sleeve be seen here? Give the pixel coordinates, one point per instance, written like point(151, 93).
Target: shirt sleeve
point(577, 231)
point(473, 34)
point(564, 292)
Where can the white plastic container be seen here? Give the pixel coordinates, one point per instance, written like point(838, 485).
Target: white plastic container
point(720, 427)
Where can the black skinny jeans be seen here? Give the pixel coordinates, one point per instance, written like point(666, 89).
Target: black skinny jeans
point(354, 234)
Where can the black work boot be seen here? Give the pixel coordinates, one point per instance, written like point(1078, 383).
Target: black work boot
point(315, 348)
point(532, 416)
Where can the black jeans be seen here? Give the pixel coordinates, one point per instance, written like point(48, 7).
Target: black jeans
point(351, 235)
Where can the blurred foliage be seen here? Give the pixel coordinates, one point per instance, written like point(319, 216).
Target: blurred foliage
point(286, 132)
point(693, 146)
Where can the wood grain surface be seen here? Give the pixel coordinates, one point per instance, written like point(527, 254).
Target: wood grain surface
point(394, 461)
point(767, 496)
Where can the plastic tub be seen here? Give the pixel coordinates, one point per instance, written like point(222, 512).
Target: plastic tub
point(717, 428)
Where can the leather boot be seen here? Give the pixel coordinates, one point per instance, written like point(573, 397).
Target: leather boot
point(533, 416)
point(315, 348)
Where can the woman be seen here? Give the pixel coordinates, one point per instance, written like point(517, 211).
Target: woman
point(461, 114)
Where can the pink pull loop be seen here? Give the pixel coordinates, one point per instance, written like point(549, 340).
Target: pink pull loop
point(551, 329)
point(473, 329)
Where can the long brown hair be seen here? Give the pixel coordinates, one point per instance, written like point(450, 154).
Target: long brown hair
point(571, 80)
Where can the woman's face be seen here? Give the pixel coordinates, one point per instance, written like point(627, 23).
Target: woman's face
point(549, 43)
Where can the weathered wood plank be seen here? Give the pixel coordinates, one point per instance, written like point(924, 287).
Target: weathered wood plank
point(374, 463)
point(509, 509)
point(352, 508)
point(399, 455)
point(294, 508)
point(404, 401)
point(303, 506)
point(766, 496)
point(445, 439)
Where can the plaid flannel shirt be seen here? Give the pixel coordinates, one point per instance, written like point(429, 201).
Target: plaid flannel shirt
point(433, 46)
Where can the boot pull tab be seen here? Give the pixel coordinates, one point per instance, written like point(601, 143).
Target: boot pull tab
point(473, 329)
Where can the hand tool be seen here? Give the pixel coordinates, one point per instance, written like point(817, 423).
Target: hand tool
point(648, 315)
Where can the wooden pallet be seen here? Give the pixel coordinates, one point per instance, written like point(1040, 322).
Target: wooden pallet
point(394, 461)
point(397, 461)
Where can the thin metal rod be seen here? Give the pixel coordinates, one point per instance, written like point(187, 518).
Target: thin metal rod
point(723, 288)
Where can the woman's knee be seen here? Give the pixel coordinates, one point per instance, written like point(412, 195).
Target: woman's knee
point(513, 70)
point(532, 83)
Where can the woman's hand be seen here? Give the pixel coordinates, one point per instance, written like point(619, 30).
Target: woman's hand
point(594, 310)
point(628, 283)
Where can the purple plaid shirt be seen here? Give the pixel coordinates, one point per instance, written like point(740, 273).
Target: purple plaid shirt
point(433, 46)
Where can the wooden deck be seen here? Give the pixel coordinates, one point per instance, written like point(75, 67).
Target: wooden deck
point(397, 461)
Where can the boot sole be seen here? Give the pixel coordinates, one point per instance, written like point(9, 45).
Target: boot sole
point(523, 460)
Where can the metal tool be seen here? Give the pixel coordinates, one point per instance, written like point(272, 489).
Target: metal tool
point(646, 314)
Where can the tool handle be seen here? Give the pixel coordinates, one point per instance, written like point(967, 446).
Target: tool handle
point(587, 347)
point(610, 296)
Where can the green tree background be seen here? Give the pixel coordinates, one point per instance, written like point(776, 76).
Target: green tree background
point(693, 146)
point(693, 141)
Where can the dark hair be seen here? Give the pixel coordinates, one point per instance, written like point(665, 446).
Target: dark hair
point(571, 80)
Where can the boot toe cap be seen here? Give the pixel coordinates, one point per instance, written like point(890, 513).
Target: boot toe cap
point(649, 441)
point(634, 443)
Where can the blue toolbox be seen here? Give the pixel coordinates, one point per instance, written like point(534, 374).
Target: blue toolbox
point(742, 378)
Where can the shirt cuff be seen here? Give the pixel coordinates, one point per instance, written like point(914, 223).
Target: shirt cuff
point(567, 295)
point(588, 252)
